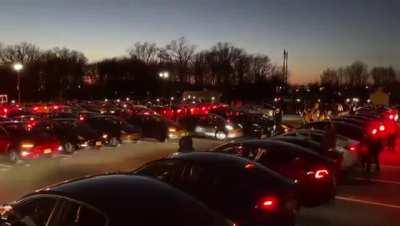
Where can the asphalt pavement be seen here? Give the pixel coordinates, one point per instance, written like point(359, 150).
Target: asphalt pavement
point(365, 200)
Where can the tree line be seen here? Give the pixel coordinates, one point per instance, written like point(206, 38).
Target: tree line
point(61, 73)
point(358, 75)
point(357, 79)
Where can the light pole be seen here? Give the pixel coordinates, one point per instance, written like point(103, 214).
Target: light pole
point(18, 67)
point(164, 75)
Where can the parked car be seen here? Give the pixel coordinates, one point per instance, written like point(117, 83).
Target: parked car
point(243, 191)
point(122, 200)
point(348, 148)
point(314, 146)
point(254, 124)
point(211, 125)
point(19, 142)
point(157, 127)
point(114, 129)
point(73, 134)
point(313, 173)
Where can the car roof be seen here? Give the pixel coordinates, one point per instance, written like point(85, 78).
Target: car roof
point(216, 158)
point(119, 194)
point(279, 143)
point(212, 157)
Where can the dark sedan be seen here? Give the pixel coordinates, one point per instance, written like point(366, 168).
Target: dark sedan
point(121, 200)
point(73, 134)
point(157, 127)
point(254, 124)
point(243, 191)
point(313, 173)
point(211, 125)
point(113, 129)
point(18, 141)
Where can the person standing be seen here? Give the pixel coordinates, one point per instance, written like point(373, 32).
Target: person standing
point(186, 144)
point(329, 141)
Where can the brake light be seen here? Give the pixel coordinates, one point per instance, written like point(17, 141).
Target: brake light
point(320, 174)
point(382, 128)
point(374, 131)
point(268, 203)
point(352, 147)
point(391, 117)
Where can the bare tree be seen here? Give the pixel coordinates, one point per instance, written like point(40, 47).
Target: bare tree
point(260, 68)
point(146, 52)
point(180, 53)
point(24, 53)
point(383, 76)
point(329, 77)
point(357, 74)
point(223, 57)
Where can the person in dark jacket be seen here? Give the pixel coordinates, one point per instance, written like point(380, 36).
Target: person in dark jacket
point(329, 141)
point(186, 144)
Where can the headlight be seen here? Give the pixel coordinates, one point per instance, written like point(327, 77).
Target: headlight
point(27, 145)
point(105, 136)
point(25, 153)
point(81, 138)
point(229, 127)
point(172, 130)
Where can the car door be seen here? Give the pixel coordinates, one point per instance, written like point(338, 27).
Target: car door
point(282, 161)
point(220, 187)
point(33, 211)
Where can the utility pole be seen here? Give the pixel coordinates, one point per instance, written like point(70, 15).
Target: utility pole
point(285, 66)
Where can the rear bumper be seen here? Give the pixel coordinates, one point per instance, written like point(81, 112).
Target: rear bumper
point(46, 152)
point(130, 137)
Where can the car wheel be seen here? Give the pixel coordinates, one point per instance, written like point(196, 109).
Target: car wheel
point(68, 148)
point(114, 142)
point(220, 135)
point(13, 156)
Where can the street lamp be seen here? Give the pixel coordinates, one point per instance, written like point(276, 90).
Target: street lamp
point(18, 67)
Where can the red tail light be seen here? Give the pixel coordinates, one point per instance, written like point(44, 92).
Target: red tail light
point(374, 131)
point(268, 203)
point(352, 147)
point(320, 174)
point(382, 128)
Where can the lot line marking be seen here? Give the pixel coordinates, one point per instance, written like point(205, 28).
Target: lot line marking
point(379, 180)
point(5, 165)
point(367, 202)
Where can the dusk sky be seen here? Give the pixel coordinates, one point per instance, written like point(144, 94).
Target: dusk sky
point(317, 33)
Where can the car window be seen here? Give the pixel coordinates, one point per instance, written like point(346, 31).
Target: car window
point(76, 214)
point(275, 157)
point(33, 212)
point(244, 151)
point(163, 170)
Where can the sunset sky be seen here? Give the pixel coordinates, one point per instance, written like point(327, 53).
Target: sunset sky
point(317, 33)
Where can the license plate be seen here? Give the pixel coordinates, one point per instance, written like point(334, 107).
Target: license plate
point(98, 143)
point(47, 151)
